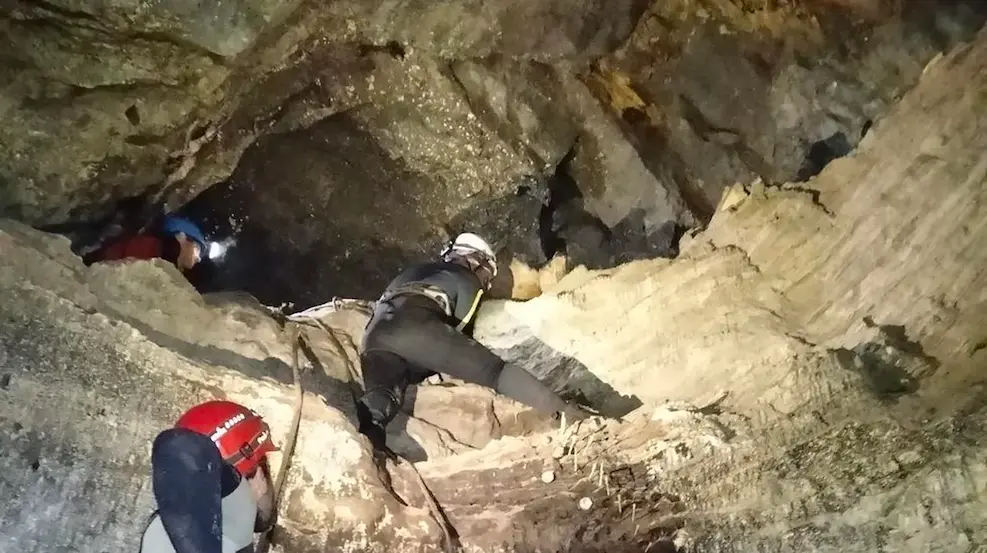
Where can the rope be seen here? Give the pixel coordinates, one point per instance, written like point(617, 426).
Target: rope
point(264, 543)
point(449, 533)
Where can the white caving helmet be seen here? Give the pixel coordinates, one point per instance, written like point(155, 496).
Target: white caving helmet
point(476, 251)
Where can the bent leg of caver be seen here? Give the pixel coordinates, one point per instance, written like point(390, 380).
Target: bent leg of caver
point(187, 481)
point(385, 378)
point(431, 344)
point(520, 385)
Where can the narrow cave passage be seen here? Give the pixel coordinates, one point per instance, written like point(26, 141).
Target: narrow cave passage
point(807, 378)
point(312, 214)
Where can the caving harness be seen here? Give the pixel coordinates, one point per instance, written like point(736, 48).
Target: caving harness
point(422, 289)
point(478, 256)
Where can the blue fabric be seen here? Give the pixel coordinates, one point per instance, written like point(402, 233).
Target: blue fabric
point(187, 477)
point(174, 225)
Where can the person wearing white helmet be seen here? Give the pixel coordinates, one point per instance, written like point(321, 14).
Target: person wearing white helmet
point(417, 330)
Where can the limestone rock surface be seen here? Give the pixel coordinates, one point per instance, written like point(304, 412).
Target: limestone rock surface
point(807, 376)
point(95, 362)
point(269, 113)
point(109, 100)
point(830, 336)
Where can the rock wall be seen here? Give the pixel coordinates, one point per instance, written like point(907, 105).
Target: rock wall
point(645, 139)
point(282, 111)
point(808, 373)
point(824, 343)
point(96, 361)
point(727, 92)
point(154, 97)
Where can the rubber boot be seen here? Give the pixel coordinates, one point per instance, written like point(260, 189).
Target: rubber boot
point(520, 385)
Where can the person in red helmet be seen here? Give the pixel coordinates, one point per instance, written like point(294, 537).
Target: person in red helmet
point(211, 482)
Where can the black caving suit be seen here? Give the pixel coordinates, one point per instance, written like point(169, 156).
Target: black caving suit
point(412, 335)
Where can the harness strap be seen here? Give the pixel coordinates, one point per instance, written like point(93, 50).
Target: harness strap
point(429, 291)
point(472, 311)
point(248, 448)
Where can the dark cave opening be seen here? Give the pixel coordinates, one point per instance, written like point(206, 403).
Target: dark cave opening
point(563, 195)
point(314, 213)
point(820, 153)
point(277, 247)
point(567, 227)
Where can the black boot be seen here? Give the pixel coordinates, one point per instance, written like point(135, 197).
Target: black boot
point(375, 432)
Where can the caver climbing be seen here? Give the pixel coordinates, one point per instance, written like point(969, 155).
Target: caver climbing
point(175, 239)
point(211, 482)
point(417, 330)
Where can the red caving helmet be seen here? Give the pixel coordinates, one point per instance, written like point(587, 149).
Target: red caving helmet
point(240, 434)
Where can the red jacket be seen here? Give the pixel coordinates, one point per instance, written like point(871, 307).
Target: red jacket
point(138, 247)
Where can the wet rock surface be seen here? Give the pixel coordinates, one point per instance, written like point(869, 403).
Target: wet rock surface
point(808, 372)
point(164, 79)
point(644, 139)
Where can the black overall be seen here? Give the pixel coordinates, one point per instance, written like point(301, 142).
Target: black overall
point(412, 335)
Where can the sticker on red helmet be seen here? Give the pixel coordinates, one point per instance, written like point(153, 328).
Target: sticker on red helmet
point(225, 427)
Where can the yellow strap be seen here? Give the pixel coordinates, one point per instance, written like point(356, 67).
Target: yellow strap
point(471, 312)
